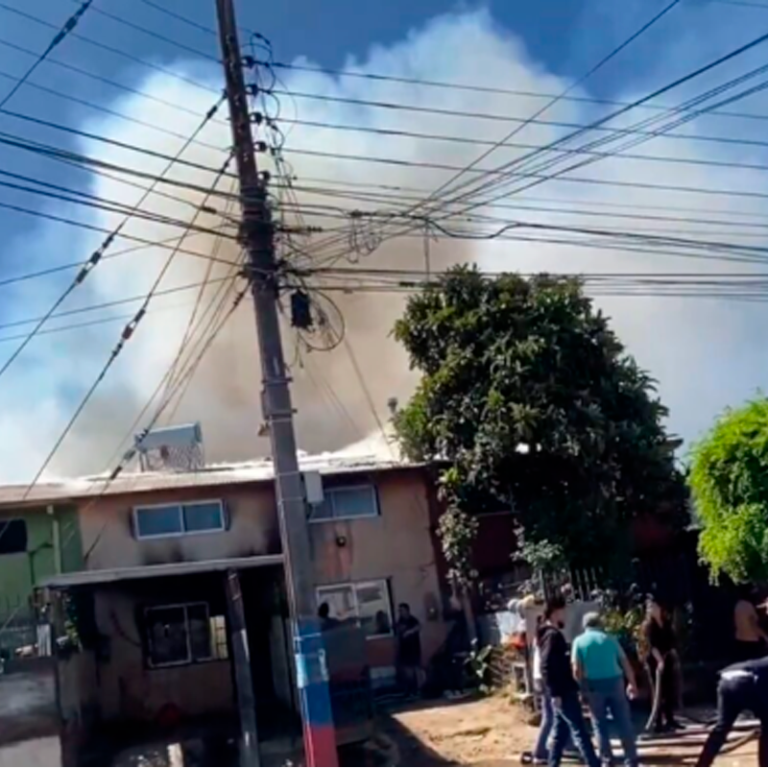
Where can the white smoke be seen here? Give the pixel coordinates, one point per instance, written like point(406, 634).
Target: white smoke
point(703, 352)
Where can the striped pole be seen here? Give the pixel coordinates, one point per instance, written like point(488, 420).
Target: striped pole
point(315, 695)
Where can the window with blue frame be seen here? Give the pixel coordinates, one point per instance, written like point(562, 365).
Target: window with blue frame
point(169, 520)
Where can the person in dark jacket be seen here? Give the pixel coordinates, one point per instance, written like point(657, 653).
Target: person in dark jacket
point(743, 687)
point(557, 678)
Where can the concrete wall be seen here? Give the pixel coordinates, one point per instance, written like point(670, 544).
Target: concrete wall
point(107, 529)
point(398, 546)
point(128, 690)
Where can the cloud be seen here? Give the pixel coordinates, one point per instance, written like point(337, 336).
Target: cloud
point(705, 353)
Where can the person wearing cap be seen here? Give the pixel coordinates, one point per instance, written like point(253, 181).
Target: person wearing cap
point(743, 687)
point(608, 681)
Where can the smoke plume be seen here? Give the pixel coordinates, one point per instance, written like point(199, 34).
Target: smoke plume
point(341, 396)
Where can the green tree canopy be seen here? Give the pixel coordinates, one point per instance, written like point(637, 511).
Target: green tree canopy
point(531, 399)
point(729, 481)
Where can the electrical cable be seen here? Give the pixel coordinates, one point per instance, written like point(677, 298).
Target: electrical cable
point(116, 51)
point(78, 264)
point(699, 190)
point(161, 409)
point(600, 123)
point(97, 255)
point(152, 33)
point(396, 133)
point(499, 117)
point(60, 36)
point(125, 338)
point(113, 303)
point(77, 197)
point(112, 142)
point(541, 178)
point(99, 107)
point(88, 323)
point(207, 280)
point(181, 17)
point(554, 101)
point(86, 163)
point(477, 88)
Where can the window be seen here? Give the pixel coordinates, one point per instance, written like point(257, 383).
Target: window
point(347, 503)
point(178, 519)
point(13, 537)
point(184, 634)
point(368, 604)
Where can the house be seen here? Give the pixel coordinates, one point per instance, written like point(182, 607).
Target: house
point(168, 559)
point(36, 542)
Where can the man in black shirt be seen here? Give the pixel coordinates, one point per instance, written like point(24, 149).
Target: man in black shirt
point(408, 630)
point(743, 687)
point(557, 677)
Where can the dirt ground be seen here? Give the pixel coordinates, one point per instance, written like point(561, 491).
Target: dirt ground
point(491, 733)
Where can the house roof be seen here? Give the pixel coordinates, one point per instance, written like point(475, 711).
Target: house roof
point(116, 575)
point(258, 471)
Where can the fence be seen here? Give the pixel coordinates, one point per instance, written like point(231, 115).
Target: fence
point(18, 628)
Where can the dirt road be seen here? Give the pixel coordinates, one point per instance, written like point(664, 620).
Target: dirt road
point(491, 733)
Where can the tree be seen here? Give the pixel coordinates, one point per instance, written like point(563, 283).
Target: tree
point(729, 481)
point(531, 400)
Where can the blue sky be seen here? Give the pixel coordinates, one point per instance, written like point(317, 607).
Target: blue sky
point(546, 44)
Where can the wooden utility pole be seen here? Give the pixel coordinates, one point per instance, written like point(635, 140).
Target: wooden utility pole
point(257, 235)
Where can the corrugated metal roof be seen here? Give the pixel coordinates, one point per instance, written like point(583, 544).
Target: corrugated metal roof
point(260, 471)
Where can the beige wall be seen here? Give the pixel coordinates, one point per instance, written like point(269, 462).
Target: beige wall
point(130, 691)
point(107, 529)
point(398, 547)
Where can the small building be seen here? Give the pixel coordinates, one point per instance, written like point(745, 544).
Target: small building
point(168, 560)
point(36, 542)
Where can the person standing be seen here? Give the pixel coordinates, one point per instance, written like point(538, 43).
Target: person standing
point(561, 686)
point(540, 754)
point(408, 631)
point(602, 667)
point(743, 687)
point(751, 640)
point(662, 664)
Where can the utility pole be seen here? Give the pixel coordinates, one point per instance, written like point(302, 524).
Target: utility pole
point(257, 234)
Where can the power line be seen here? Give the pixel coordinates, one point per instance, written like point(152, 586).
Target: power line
point(180, 17)
point(152, 33)
point(97, 255)
point(65, 30)
point(499, 117)
point(522, 175)
point(688, 105)
point(97, 78)
point(88, 200)
point(116, 51)
point(551, 103)
point(113, 142)
point(86, 163)
point(538, 178)
point(113, 303)
point(477, 88)
point(385, 197)
point(565, 151)
point(87, 324)
point(126, 336)
point(78, 264)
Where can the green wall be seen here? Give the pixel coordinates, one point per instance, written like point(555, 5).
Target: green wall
point(19, 573)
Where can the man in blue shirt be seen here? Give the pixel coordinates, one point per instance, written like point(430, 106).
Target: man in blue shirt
point(602, 667)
